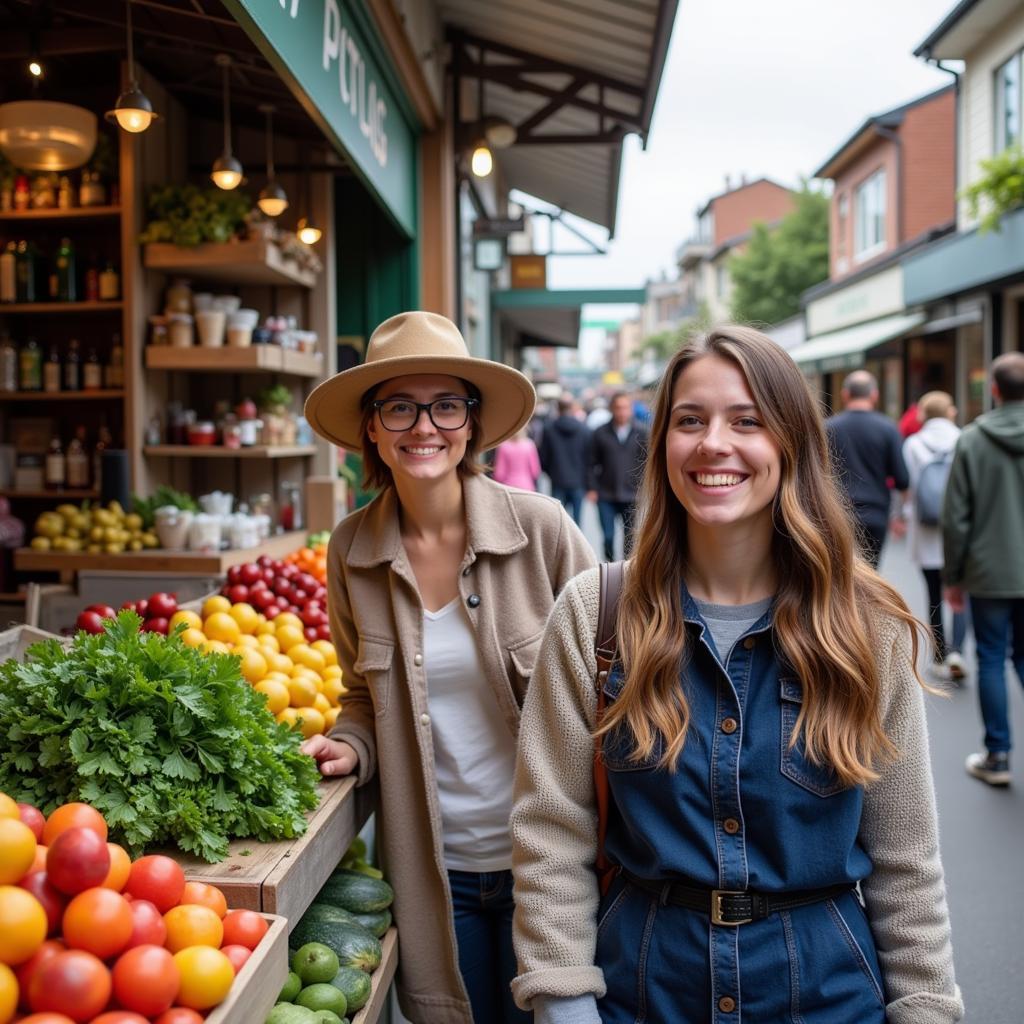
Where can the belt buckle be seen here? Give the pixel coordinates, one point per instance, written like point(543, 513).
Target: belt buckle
point(716, 908)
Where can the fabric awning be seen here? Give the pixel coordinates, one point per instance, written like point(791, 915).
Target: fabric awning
point(545, 327)
point(841, 350)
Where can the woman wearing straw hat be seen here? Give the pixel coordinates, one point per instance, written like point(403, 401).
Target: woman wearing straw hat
point(439, 590)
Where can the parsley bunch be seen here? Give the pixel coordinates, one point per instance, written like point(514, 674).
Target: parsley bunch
point(169, 744)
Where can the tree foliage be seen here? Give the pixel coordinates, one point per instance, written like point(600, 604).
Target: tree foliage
point(781, 263)
point(999, 190)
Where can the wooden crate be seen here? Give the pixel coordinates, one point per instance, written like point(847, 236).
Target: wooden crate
point(285, 877)
point(381, 981)
point(259, 982)
point(16, 641)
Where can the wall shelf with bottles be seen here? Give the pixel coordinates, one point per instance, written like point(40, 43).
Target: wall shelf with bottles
point(254, 359)
point(202, 451)
point(104, 306)
point(75, 213)
point(51, 495)
point(61, 396)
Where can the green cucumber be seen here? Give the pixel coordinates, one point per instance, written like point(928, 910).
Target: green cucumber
point(356, 892)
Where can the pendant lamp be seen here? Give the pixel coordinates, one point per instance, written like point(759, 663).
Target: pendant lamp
point(227, 171)
point(273, 199)
point(133, 112)
point(306, 231)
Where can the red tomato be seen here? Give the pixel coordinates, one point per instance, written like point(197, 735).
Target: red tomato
point(162, 605)
point(76, 860)
point(46, 1018)
point(249, 573)
point(98, 921)
point(157, 624)
point(244, 928)
point(158, 879)
point(204, 895)
point(238, 594)
point(49, 949)
point(104, 611)
point(32, 817)
point(237, 955)
point(74, 815)
point(74, 983)
point(120, 1017)
point(148, 926)
point(179, 1015)
point(90, 622)
point(146, 980)
point(271, 611)
point(52, 900)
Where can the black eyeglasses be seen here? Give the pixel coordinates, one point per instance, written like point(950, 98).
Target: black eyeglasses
point(445, 413)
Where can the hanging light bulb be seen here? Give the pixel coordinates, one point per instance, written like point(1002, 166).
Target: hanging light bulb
point(273, 200)
point(35, 68)
point(482, 163)
point(133, 112)
point(227, 171)
point(307, 232)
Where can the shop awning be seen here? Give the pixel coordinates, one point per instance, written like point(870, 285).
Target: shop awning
point(559, 328)
point(580, 75)
point(842, 350)
point(550, 316)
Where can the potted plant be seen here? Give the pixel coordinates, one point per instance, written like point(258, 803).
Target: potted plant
point(999, 191)
point(279, 426)
point(187, 215)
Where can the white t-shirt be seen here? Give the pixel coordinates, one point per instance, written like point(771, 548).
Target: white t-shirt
point(474, 752)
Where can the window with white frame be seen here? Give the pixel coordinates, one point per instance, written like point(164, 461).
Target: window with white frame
point(722, 280)
point(706, 226)
point(869, 217)
point(1009, 100)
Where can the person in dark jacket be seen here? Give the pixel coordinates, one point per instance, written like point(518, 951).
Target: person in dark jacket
point(617, 453)
point(983, 543)
point(868, 453)
point(565, 457)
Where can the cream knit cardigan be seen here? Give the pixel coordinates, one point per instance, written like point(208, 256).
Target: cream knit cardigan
point(554, 830)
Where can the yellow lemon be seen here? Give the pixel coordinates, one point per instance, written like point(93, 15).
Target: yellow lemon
point(276, 693)
point(288, 619)
point(326, 648)
point(246, 616)
point(248, 640)
point(221, 626)
point(289, 717)
point(321, 703)
point(330, 718)
point(289, 636)
point(301, 692)
point(311, 721)
point(266, 627)
point(254, 667)
point(302, 670)
point(191, 620)
point(193, 637)
point(216, 647)
point(268, 640)
point(282, 676)
point(303, 654)
point(215, 603)
point(333, 690)
point(278, 662)
point(332, 672)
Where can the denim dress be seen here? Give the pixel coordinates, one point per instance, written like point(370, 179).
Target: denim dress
point(742, 811)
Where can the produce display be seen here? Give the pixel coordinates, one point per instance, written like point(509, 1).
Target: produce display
point(88, 935)
point(312, 558)
point(155, 613)
point(337, 949)
point(170, 743)
point(275, 585)
point(93, 528)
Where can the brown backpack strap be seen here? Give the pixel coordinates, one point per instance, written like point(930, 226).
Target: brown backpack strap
point(605, 647)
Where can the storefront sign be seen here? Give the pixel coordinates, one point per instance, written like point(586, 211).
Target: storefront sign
point(327, 54)
point(528, 271)
point(867, 299)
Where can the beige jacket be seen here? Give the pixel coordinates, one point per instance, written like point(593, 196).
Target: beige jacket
point(521, 549)
point(554, 830)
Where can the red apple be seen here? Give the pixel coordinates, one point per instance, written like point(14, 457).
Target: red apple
point(32, 817)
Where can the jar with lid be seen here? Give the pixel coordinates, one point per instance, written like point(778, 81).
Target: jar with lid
point(202, 432)
point(179, 297)
point(180, 330)
point(91, 190)
point(291, 506)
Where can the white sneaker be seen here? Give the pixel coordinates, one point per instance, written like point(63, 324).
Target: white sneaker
point(957, 669)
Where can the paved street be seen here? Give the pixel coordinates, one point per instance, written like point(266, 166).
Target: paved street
point(982, 830)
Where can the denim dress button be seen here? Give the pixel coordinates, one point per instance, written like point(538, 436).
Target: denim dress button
point(749, 642)
point(729, 726)
point(727, 1004)
point(731, 825)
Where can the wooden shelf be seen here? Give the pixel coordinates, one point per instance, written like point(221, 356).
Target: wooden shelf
point(213, 451)
point(61, 307)
point(255, 990)
point(251, 262)
point(59, 396)
point(67, 492)
point(380, 981)
point(76, 213)
point(199, 563)
point(254, 359)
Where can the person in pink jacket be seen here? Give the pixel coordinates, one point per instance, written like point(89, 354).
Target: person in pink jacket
point(516, 462)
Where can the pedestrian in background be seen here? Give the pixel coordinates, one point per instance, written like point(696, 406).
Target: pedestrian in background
point(516, 462)
point(983, 541)
point(928, 454)
point(764, 741)
point(438, 591)
point(867, 449)
point(565, 456)
point(617, 453)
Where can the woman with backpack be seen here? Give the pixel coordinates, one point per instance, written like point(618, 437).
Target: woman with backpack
point(929, 455)
point(762, 744)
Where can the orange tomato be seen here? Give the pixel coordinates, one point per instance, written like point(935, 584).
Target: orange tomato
point(192, 925)
point(8, 807)
point(206, 977)
point(17, 850)
point(200, 894)
point(244, 928)
point(22, 925)
point(120, 865)
point(98, 921)
point(73, 815)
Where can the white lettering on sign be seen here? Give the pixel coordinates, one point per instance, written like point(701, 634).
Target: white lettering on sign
point(295, 7)
point(361, 99)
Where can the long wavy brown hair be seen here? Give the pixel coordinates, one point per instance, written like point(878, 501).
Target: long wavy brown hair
point(828, 603)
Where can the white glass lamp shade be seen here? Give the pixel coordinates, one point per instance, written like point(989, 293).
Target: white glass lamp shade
point(273, 200)
point(308, 233)
point(227, 172)
point(133, 112)
point(482, 163)
point(42, 136)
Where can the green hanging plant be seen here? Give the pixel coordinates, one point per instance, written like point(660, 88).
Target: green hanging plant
point(999, 191)
point(187, 215)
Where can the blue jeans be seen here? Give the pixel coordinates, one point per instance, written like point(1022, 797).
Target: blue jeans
point(571, 498)
point(998, 631)
point(483, 928)
point(608, 511)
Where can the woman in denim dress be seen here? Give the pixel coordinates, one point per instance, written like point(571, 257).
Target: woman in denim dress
point(772, 818)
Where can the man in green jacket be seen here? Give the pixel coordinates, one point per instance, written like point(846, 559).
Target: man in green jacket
point(983, 541)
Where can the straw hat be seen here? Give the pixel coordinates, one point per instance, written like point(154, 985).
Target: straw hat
point(420, 342)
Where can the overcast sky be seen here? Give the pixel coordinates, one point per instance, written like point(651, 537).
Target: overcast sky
point(766, 88)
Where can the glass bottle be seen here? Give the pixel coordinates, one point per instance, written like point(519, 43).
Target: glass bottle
point(115, 368)
point(110, 283)
point(55, 467)
point(25, 272)
point(65, 265)
point(30, 362)
point(8, 364)
point(77, 461)
point(9, 273)
point(51, 371)
point(91, 191)
point(22, 192)
point(92, 280)
point(104, 440)
point(65, 194)
point(73, 367)
point(92, 372)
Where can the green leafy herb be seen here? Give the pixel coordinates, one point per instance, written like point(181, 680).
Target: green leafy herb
point(170, 744)
point(161, 496)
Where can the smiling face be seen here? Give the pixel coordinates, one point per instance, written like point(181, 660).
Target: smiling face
point(723, 464)
point(422, 452)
